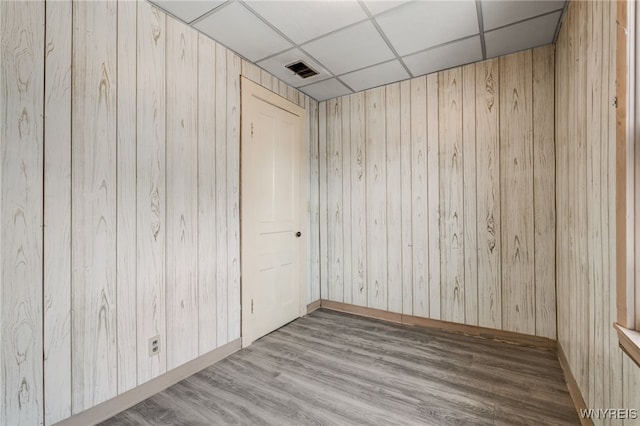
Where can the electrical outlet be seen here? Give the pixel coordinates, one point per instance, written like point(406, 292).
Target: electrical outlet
point(154, 346)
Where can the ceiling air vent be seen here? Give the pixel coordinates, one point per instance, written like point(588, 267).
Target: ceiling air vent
point(301, 69)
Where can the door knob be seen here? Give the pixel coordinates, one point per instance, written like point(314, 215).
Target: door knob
point(298, 234)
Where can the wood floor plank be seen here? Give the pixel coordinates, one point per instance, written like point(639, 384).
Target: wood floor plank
point(333, 368)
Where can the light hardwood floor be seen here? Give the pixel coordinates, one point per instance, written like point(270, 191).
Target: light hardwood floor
point(336, 368)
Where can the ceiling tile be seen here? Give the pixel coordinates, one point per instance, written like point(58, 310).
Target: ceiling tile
point(379, 6)
point(327, 89)
point(525, 35)
point(276, 66)
point(241, 31)
point(304, 20)
point(443, 57)
point(423, 24)
point(376, 75)
point(496, 13)
point(351, 48)
point(187, 10)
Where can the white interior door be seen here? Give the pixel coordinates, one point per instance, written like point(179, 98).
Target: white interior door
point(272, 150)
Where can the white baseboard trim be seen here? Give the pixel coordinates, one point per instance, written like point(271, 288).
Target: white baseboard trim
point(110, 408)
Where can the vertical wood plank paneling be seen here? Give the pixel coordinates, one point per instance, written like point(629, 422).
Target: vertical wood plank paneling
point(561, 110)
point(93, 185)
point(631, 387)
point(455, 268)
point(594, 197)
point(591, 195)
point(488, 195)
point(544, 189)
point(605, 107)
point(266, 80)
point(251, 71)
point(310, 204)
point(335, 236)
point(580, 190)
point(57, 213)
point(127, 198)
point(292, 93)
point(282, 88)
point(22, 54)
point(345, 110)
point(376, 198)
point(107, 209)
point(394, 198)
point(358, 201)
point(434, 212)
point(451, 196)
point(314, 200)
point(585, 173)
point(182, 194)
point(570, 167)
point(151, 189)
point(322, 143)
point(470, 191)
point(222, 320)
point(207, 162)
point(233, 192)
point(616, 355)
point(516, 171)
point(419, 178)
point(406, 174)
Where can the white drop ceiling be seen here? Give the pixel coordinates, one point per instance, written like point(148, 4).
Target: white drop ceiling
point(355, 45)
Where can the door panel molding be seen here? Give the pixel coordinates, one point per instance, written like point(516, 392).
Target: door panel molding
point(253, 98)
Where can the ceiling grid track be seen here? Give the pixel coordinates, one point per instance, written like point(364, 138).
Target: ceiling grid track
point(562, 15)
point(295, 45)
point(481, 29)
point(356, 45)
point(386, 40)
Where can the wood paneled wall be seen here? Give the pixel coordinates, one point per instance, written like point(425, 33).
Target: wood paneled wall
point(585, 169)
point(120, 210)
point(22, 92)
point(436, 195)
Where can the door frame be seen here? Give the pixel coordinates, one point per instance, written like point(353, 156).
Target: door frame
point(249, 90)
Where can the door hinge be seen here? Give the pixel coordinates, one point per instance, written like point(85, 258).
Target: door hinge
point(614, 103)
point(251, 129)
point(251, 305)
